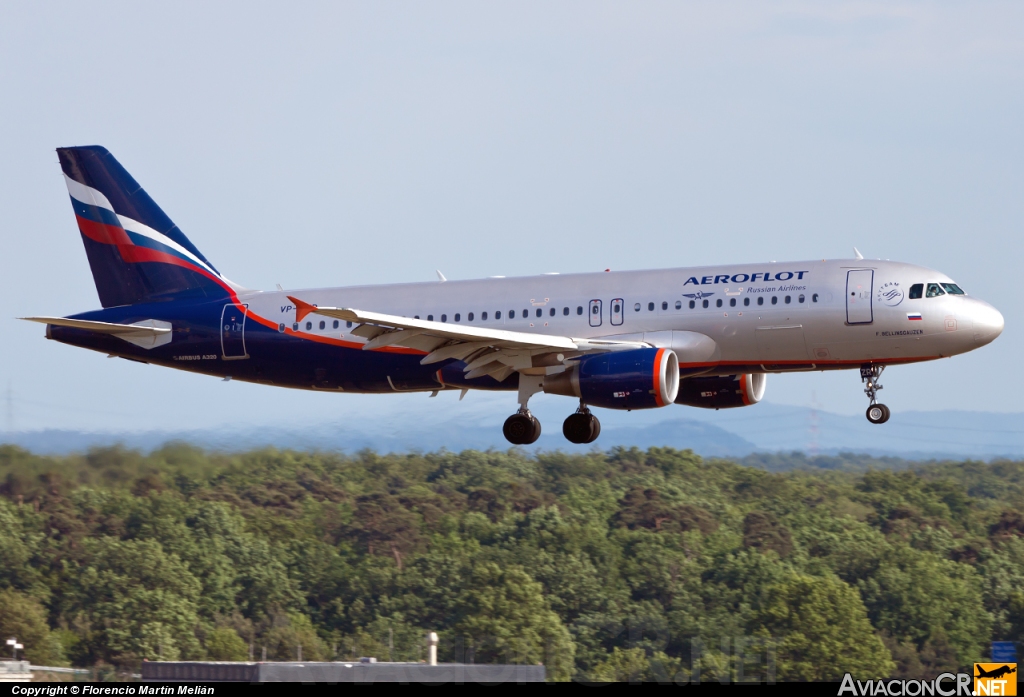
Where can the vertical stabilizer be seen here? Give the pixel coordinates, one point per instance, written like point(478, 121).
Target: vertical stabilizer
point(136, 252)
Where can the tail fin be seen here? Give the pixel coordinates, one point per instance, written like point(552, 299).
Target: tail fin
point(136, 253)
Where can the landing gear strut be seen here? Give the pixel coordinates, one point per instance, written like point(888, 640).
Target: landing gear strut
point(522, 428)
point(869, 374)
point(581, 427)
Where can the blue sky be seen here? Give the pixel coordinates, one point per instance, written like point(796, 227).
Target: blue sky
point(315, 144)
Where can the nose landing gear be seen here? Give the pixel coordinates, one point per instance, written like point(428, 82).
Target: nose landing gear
point(581, 427)
point(869, 374)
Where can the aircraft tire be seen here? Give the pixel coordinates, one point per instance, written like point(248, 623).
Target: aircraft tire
point(878, 413)
point(535, 434)
point(520, 429)
point(581, 428)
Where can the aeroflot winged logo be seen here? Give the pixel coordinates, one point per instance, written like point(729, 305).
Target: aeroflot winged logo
point(745, 278)
point(698, 295)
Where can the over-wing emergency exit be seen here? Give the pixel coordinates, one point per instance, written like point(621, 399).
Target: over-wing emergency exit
point(704, 337)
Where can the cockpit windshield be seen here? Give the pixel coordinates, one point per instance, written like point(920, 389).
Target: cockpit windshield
point(953, 289)
point(934, 291)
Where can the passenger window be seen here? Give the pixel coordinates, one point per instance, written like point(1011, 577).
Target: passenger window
point(336, 322)
point(526, 314)
point(650, 307)
point(636, 308)
point(760, 300)
point(497, 315)
point(295, 327)
point(579, 309)
point(788, 299)
point(565, 312)
point(551, 312)
point(799, 298)
point(775, 301)
point(323, 325)
point(444, 318)
point(309, 325)
point(814, 298)
point(483, 316)
point(953, 289)
point(679, 304)
point(469, 317)
point(540, 312)
point(705, 303)
point(280, 327)
point(746, 302)
point(430, 318)
point(732, 302)
point(348, 324)
point(916, 291)
point(718, 303)
point(664, 305)
point(457, 317)
point(511, 314)
point(934, 291)
point(692, 304)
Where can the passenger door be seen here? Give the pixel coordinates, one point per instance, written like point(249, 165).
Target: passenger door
point(595, 313)
point(858, 296)
point(232, 331)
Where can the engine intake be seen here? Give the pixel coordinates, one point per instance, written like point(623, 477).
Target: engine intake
point(635, 379)
point(722, 392)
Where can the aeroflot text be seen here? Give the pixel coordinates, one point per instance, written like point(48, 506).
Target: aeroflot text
point(745, 277)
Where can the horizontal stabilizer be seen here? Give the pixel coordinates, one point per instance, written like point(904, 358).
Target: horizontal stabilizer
point(148, 333)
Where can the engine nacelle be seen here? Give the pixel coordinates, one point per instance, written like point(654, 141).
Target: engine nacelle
point(635, 379)
point(722, 392)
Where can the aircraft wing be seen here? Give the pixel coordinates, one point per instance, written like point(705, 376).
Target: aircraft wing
point(494, 352)
point(147, 334)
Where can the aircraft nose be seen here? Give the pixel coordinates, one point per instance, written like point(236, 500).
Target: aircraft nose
point(988, 322)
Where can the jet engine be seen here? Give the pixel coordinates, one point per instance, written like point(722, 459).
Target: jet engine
point(634, 379)
point(722, 392)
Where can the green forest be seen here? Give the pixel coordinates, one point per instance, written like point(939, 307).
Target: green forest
point(626, 564)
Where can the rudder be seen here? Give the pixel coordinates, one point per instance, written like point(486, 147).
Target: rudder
point(136, 253)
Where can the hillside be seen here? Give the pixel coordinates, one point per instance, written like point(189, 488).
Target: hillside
point(602, 565)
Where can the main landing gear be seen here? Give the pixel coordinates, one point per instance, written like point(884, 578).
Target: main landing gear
point(869, 374)
point(581, 427)
point(522, 428)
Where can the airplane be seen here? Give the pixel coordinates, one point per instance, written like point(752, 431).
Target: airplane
point(701, 337)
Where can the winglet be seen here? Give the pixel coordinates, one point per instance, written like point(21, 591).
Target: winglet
point(857, 252)
point(440, 276)
point(301, 308)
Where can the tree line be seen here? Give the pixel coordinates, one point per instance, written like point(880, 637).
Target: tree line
point(626, 564)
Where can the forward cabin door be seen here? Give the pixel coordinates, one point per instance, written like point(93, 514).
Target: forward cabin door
point(232, 331)
point(858, 296)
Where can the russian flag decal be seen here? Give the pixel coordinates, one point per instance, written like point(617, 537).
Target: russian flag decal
point(914, 315)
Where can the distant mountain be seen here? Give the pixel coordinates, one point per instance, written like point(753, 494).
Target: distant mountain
point(764, 428)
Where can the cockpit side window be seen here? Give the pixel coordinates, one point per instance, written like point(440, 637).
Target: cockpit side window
point(934, 291)
point(953, 289)
point(916, 291)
